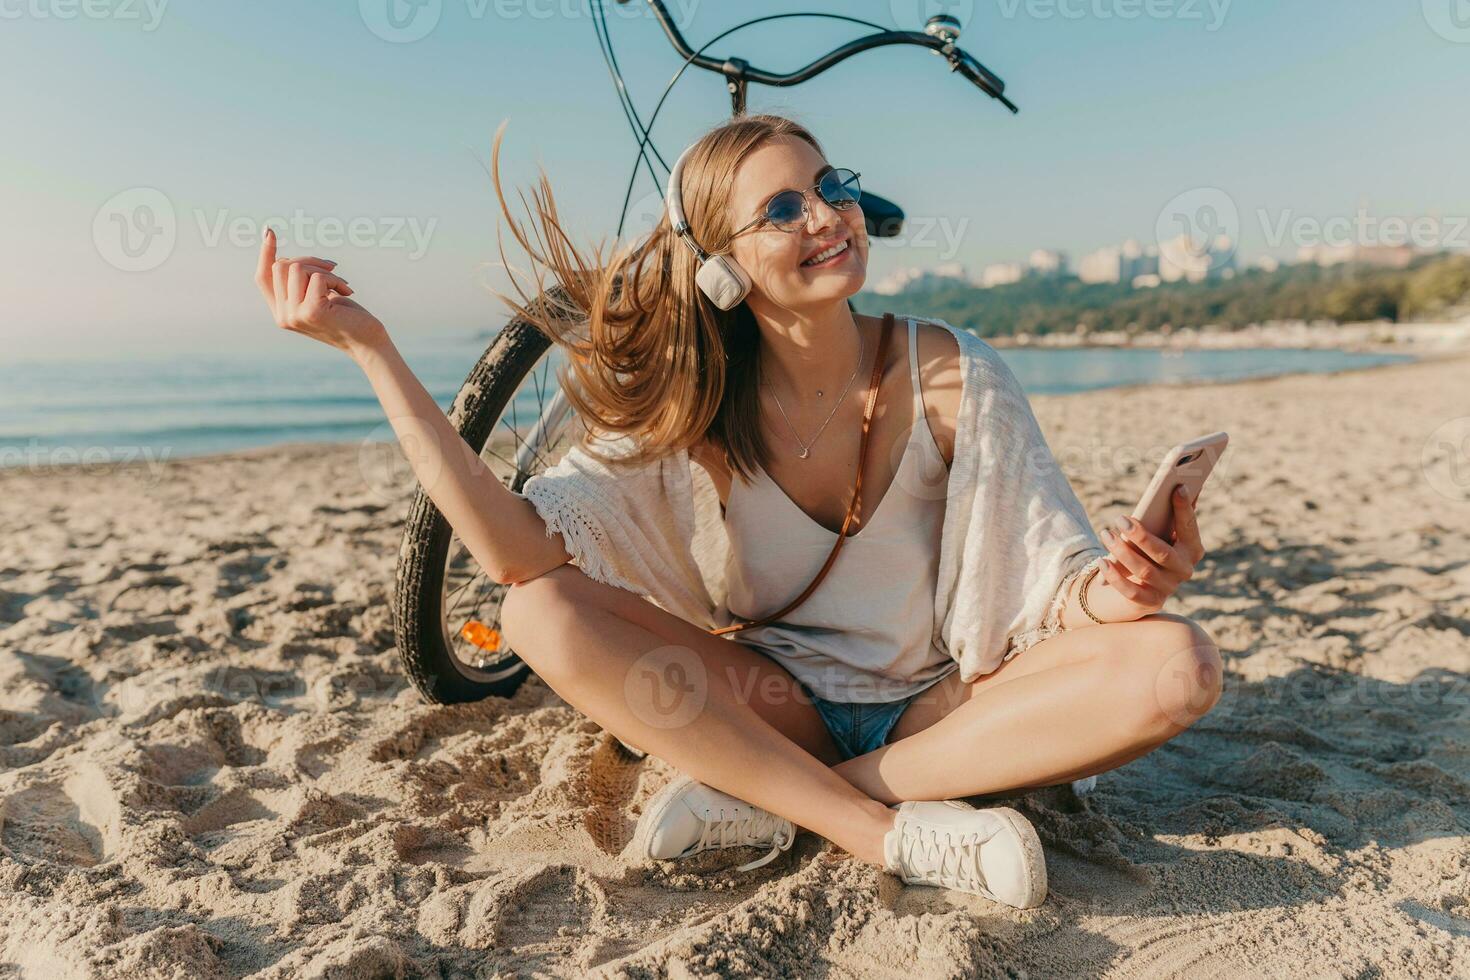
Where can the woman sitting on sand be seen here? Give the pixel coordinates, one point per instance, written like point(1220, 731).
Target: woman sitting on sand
point(894, 689)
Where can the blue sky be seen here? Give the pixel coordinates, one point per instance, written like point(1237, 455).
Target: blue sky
point(224, 115)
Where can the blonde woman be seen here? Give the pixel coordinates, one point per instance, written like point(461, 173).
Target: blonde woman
point(895, 689)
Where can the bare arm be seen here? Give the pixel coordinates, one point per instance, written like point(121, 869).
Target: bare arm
point(502, 531)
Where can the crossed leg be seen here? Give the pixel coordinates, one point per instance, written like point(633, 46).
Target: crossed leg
point(1075, 704)
point(714, 709)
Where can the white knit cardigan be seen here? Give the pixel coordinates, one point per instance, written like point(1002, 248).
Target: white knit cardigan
point(1014, 532)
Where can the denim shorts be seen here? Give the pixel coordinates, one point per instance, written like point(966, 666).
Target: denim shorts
point(860, 727)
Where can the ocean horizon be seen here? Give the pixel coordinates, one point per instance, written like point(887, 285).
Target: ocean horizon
point(117, 409)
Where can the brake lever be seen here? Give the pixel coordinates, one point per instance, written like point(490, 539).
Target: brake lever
point(985, 79)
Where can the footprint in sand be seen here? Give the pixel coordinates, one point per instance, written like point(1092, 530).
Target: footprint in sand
point(545, 918)
point(72, 823)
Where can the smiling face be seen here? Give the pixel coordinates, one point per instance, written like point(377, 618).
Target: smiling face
point(778, 262)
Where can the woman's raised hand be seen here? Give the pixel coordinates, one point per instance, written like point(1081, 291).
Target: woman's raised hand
point(306, 296)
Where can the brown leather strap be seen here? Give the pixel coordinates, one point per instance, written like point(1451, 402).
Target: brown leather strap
point(857, 489)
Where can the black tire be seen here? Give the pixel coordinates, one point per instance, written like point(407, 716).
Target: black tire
point(436, 658)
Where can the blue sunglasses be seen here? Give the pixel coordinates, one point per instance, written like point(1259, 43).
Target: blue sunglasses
point(787, 210)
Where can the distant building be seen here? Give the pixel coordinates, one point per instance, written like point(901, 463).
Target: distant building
point(1001, 274)
point(1104, 265)
point(900, 279)
point(896, 281)
point(1184, 258)
point(1139, 261)
point(1047, 262)
point(1387, 256)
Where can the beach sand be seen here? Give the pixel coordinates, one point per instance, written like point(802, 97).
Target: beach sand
point(211, 764)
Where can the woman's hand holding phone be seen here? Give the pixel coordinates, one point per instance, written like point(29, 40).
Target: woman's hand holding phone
point(306, 296)
point(1144, 569)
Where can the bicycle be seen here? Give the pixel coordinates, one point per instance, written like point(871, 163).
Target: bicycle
point(445, 609)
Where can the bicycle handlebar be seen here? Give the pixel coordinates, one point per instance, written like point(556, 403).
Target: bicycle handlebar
point(737, 69)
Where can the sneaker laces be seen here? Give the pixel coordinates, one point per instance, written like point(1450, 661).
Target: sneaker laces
point(753, 829)
point(950, 860)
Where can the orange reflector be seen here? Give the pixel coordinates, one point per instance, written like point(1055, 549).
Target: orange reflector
point(482, 636)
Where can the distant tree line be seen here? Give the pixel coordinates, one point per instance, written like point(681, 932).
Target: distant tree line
point(1345, 293)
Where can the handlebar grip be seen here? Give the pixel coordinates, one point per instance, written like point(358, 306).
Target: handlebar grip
point(985, 80)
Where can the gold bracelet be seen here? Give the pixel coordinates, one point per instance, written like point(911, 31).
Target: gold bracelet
point(1082, 592)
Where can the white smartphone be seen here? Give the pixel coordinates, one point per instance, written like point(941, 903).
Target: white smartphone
point(1188, 465)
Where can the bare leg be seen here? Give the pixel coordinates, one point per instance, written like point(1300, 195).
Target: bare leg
point(1075, 704)
point(713, 708)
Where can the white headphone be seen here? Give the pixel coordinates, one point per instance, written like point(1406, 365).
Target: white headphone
point(719, 276)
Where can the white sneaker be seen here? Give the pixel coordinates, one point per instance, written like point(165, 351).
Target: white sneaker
point(687, 817)
point(992, 852)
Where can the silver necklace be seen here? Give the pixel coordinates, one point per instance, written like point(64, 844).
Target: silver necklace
point(837, 403)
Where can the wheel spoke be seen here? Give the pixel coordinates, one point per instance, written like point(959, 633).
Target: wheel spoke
point(514, 452)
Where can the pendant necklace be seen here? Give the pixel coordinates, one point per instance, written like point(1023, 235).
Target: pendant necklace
point(806, 448)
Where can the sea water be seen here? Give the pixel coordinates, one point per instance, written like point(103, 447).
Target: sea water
point(159, 406)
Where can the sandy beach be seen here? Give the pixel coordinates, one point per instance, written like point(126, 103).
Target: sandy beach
point(211, 764)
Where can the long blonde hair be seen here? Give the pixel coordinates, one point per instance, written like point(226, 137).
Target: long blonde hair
point(649, 355)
